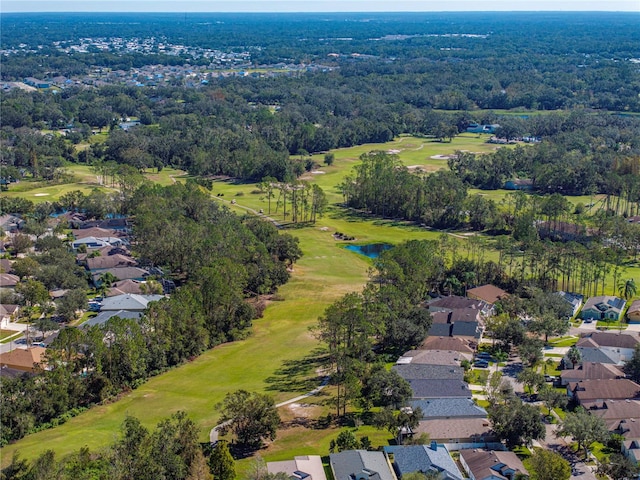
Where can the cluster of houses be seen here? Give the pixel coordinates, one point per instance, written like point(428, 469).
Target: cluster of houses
point(396, 461)
point(167, 75)
point(102, 248)
point(598, 384)
point(454, 422)
point(449, 415)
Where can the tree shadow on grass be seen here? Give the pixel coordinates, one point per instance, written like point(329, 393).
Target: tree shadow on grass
point(299, 375)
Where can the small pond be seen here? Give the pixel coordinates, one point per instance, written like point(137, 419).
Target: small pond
point(372, 250)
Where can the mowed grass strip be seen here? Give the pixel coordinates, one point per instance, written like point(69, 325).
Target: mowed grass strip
point(83, 179)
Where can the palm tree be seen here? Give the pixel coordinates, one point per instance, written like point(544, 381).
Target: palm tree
point(451, 284)
point(628, 289)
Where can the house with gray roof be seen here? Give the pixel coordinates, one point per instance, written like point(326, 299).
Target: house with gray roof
point(573, 299)
point(434, 357)
point(11, 223)
point(102, 317)
point(595, 355)
point(612, 343)
point(443, 408)
point(360, 465)
point(450, 388)
point(121, 273)
point(304, 467)
point(429, 372)
point(130, 302)
point(603, 307)
point(431, 458)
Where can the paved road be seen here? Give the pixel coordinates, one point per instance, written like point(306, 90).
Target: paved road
point(579, 470)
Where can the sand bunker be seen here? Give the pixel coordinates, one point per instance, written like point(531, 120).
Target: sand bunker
point(41, 194)
point(318, 172)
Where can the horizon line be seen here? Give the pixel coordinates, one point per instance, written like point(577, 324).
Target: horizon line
point(314, 11)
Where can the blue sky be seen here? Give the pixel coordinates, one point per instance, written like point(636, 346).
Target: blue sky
point(314, 5)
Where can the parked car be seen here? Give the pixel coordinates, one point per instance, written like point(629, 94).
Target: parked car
point(481, 364)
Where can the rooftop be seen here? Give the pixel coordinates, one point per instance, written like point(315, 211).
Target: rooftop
point(492, 464)
point(453, 429)
point(590, 390)
point(449, 388)
point(23, 358)
point(360, 465)
point(425, 458)
point(489, 293)
point(608, 339)
point(448, 408)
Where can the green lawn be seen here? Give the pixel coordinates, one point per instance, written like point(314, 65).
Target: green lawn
point(81, 178)
point(563, 341)
point(6, 334)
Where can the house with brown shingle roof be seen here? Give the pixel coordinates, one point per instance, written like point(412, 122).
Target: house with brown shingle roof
point(23, 359)
point(613, 411)
point(491, 465)
point(8, 280)
point(125, 287)
point(96, 264)
point(620, 345)
point(591, 371)
point(448, 343)
point(597, 391)
point(97, 232)
point(487, 293)
point(457, 430)
point(8, 312)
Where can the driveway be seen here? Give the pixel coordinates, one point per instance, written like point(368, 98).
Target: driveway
point(579, 470)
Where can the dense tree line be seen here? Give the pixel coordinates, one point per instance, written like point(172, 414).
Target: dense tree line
point(580, 155)
point(222, 266)
point(171, 450)
point(458, 60)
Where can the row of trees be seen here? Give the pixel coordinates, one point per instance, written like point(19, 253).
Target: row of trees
point(222, 264)
point(171, 450)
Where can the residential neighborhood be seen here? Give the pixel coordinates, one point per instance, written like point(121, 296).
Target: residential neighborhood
point(443, 373)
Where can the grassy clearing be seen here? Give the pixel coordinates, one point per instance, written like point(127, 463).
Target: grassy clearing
point(563, 341)
point(6, 334)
